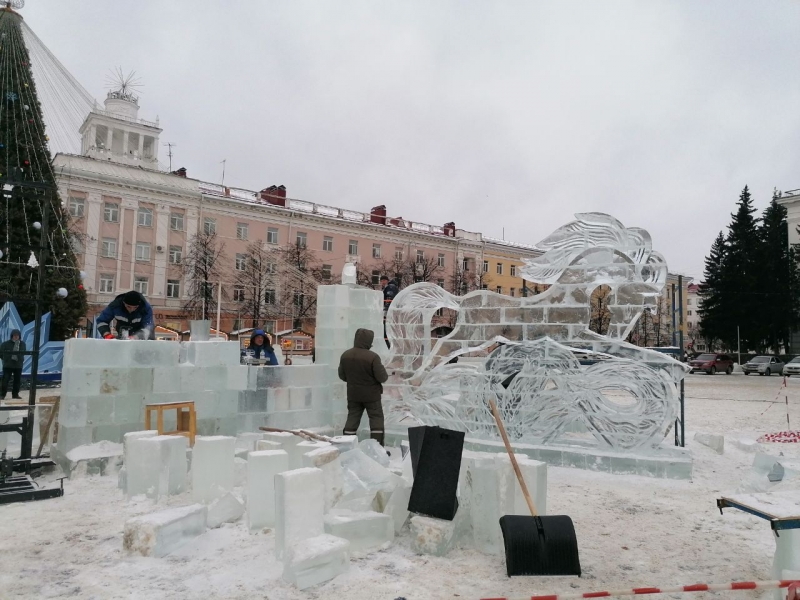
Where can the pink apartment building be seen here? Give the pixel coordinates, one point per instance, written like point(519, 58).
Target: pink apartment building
point(136, 223)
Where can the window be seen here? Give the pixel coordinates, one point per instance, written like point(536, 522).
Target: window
point(420, 256)
point(143, 252)
point(688, 312)
point(145, 217)
point(272, 268)
point(398, 253)
point(269, 297)
point(173, 288)
point(352, 247)
point(238, 293)
point(689, 302)
point(499, 268)
point(109, 248)
point(241, 262)
point(465, 264)
point(299, 299)
point(106, 284)
point(241, 231)
point(376, 278)
point(76, 207)
point(176, 221)
point(513, 272)
point(175, 255)
point(440, 283)
point(326, 272)
point(486, 266)
point(512, 291)
point(327, 244)
point(440, 260)
point(302, 239)
point(272, 235)
point(499, 290)
point(209, 226)
point(140, 284)
point(376, 250)
point(484, 286)
point(111, 212)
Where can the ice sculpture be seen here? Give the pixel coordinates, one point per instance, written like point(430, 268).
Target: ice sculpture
point(626, 401)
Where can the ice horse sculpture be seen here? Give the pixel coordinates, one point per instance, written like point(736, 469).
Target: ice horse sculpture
point(628, 400)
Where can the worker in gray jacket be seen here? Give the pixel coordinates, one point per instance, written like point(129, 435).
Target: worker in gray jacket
point(362, 370)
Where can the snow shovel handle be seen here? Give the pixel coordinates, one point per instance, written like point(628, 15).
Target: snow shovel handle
point(514, 464)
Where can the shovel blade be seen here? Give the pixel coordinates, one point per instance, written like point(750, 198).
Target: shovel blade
point(551, 549)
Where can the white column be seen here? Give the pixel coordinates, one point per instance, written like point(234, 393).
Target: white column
point(109, 138)
point(94, 208)
point(125, 144)
point(161, 260)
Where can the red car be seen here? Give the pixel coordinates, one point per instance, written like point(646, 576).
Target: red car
point(712, 363)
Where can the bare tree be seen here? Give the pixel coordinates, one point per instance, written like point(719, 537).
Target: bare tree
point(255, 274)
point(203, 270)
point(600, 317)
point(464, 281)
point(298, 275)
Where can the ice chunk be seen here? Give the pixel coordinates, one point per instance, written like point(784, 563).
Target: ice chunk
point(364, 477)
point(395, 504)
point(432, 536)
point(534, 472)
point(226, 509)
point(375, 451)
point(288, 441)
point(267, 445)
point(405, 448)
point(248, 440)
point(747, 445)
point(102, 458)
point(327, 459)
point(212, 467)
point(345, 442)
point(365, 530)
point(138, 476)
point(482, 485)
point(316, 560)
point(408, 468)
point(164, 464)
point(714, 441)
point(262, 466)
point(299, 506)
point(160, 533)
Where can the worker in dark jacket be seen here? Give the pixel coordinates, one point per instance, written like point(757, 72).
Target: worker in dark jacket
point(363, 372)
point(260, 346)
point(134, 317)
point(390, 290)
point(12, 352)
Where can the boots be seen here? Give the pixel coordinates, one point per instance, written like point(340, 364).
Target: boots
point(378, 437)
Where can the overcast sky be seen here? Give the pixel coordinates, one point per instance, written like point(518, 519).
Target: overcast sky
point(492, 114)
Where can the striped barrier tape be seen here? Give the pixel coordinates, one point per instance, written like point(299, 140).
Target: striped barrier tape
point(697, 587)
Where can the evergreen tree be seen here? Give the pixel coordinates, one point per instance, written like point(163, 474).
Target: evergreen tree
point(739, 302)
point(712, 318)
point(779, 277)
point(25, 158)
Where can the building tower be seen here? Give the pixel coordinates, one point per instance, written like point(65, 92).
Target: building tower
point(116, 132)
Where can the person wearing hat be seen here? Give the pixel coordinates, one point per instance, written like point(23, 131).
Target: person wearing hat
point(133, 315)
point(390, 290)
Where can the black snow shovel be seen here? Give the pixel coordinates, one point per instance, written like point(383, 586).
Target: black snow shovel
point(536, 545)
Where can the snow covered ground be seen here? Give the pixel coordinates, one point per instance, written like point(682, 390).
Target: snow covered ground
point(631, 531)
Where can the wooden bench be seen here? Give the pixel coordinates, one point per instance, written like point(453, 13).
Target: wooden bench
point(186, 418)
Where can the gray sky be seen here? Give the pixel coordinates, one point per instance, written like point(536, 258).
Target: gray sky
point(493, 114)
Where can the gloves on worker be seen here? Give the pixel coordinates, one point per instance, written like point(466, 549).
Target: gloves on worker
point(108, 336)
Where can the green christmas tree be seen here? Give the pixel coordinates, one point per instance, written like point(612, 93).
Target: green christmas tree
point(713, 323)
point(25, 159)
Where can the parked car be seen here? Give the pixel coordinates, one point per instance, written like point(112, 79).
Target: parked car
point(792, 367)
point(763, 365)
point(712, 363)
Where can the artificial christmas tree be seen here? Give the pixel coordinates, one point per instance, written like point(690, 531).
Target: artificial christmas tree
point(28, 182)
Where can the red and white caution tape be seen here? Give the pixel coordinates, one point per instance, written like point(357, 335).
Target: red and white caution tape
point(784, 437)
point(697, 587)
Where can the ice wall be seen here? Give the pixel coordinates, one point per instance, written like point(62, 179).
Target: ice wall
point(107, 383)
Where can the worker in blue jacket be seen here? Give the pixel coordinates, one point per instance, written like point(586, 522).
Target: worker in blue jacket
point(260, 346)
point(133, 315)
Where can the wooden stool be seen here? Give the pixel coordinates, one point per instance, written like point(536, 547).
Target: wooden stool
point(186, 419)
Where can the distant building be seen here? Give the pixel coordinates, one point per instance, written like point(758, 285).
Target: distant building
point(791, 200)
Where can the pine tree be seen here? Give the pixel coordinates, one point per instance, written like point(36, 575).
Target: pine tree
point(778, 279)
point(712, 319)
point(25, 158)
point(739, 302)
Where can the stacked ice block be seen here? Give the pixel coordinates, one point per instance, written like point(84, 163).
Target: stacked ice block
point(107, 383)
point(341, 310)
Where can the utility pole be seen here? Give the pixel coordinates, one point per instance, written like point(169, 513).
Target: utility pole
point(170, 146)
point(224, 160)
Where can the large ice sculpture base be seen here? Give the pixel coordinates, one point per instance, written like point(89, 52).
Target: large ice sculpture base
point(664, 462)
